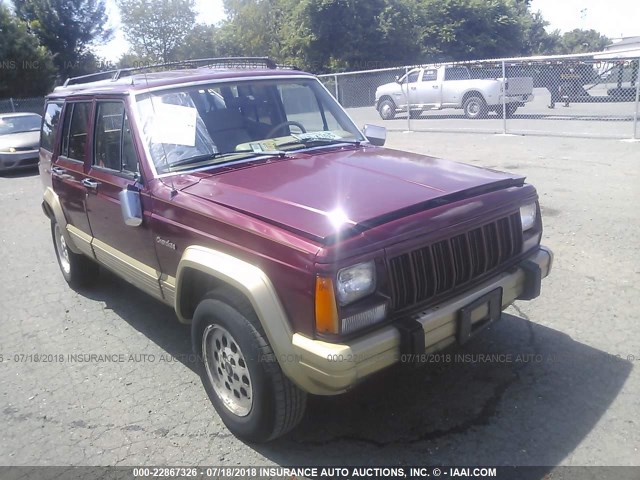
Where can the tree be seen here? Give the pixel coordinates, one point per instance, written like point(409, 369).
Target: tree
point(207, 41)
point(334, 35)
point(26, 66)
point(155, 28)
point(253, 27)
point(68, 29)
point(581, 41)
point(472, 29)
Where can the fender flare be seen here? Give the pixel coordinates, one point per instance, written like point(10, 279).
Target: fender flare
point(254, 284)
point(51, 201)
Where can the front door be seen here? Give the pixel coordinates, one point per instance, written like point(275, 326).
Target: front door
point(409, 85)
point(128, 251)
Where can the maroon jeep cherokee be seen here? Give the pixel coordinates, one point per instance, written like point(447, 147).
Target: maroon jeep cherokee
point(304, 255)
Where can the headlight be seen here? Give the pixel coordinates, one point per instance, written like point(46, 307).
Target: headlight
point(356, 282)
point(528, 216)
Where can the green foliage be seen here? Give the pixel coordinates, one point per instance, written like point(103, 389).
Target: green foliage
point(26, 67)
point(206, 41)
point(581, 41)
point(67, 28)
point(334, 35)
point(155, 28)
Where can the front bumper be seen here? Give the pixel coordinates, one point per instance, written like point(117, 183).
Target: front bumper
point(334, 368)
point(17, 160)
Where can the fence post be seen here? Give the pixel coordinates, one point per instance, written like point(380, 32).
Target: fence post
point(13, 107)
point(635, 114)
point(504, 99)
point(337, 91)
point(406, 82)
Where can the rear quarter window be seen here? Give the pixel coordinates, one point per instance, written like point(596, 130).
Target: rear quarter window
point(50, 123)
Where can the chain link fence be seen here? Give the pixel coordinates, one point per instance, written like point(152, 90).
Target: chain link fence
point(580, 95)
point(31, 105)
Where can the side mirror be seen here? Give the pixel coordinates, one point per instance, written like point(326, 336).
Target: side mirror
point(397, 78)
point(375, 134)
point(131, 207)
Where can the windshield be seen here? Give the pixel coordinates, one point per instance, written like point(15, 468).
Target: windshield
point(22, 123)
point(193, 126)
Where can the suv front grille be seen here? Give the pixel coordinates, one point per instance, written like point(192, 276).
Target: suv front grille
point(442, 267)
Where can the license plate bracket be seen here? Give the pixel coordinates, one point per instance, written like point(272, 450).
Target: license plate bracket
point(468, 326)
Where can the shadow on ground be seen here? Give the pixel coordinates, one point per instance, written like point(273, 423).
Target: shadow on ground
point(21, 173)
point(147, 315)
point(530, 403)
point(564, 114)
point(518, 394)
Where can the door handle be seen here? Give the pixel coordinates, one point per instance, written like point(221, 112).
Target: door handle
point(58, 171)
point(434, 86)
point(92, 184)
point(413, 88)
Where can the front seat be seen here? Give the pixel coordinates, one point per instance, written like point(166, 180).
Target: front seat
point(227, 129)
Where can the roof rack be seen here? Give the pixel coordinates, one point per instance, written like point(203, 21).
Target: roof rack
point(225, 62)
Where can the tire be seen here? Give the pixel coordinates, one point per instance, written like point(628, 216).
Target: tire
point(511, 109)
point(387, 110)
point(78, 270)
point(248, 389)
point(475, 107)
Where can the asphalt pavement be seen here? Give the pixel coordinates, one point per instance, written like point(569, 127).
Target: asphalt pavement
point(104, 376)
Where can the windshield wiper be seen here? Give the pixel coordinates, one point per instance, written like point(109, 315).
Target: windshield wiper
point(319, 141)
point(216, 156)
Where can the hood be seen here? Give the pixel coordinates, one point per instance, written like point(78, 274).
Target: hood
point(388, 88)
point(20, 140)
point(339, 193)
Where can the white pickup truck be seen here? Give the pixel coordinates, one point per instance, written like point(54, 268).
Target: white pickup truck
point(451, 87)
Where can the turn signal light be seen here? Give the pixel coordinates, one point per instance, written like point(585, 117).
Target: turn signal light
point(326, 309)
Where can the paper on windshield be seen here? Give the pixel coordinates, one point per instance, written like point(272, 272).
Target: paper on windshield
point(174, 124)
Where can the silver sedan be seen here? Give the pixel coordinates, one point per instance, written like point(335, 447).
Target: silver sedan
point(19, 140)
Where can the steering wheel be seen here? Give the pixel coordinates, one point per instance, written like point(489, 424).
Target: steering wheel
point(285, 124)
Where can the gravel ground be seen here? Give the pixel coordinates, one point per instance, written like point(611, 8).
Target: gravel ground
point(566, 393)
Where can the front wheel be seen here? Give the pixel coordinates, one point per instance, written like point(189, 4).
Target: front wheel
point(511, 109)
point(239, 370)
point(387, 110)
point(475, 107)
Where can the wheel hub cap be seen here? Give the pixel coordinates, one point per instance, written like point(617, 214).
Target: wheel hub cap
point(62, 250)
point(227, 370)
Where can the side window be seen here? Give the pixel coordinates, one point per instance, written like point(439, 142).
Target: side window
point(129, 157)
point(413, 77)
point(113, 142)
point(430, 75)
point(74, 130)
point(64, 151)
point(49, 125)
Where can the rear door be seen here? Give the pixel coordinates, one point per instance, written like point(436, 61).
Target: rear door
point(114, 166)
point(48, 135)
point(454, 83)
point(68, 171)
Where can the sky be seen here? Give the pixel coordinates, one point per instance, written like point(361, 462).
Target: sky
point(613, 18)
